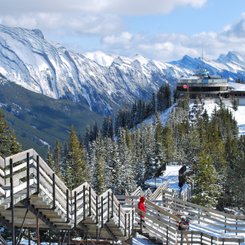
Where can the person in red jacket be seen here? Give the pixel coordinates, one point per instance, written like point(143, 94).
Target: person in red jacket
point(142, 208)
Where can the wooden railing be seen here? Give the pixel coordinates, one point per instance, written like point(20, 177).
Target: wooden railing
point(26, 173)
point(31, 174)
point(196, 237)
point(221, 222)
point(101, 208)
point(2, 174)
point(163, 225)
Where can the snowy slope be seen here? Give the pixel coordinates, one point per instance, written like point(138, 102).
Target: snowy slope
point(104, 81)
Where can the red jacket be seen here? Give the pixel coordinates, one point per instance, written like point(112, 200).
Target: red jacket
point(141, 206)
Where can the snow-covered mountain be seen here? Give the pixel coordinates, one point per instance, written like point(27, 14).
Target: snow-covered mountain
point(104, 81)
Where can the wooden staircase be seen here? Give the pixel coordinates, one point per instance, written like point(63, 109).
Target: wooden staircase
point(33, 196)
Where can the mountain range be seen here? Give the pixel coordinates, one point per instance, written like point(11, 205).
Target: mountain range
point(43, 78)
point(103, 81)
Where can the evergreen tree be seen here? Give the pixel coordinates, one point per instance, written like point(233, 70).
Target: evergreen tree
point(76, 169)
point(49, 160)
point(100, 166)
point(206, 191)
point(152, 162)
point(236, 176)
point(107, 127)
point(126, 169)
point(8, 142)
point(161, 99)
point(139, 156)
point(168, 143)
point(167, 96)
point(57, 156)
point(100, 173)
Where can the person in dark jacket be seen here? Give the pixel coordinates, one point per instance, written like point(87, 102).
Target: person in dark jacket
point(183, 224)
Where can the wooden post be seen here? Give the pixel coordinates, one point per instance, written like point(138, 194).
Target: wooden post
point(119, 217)
point(97, 209)
point(75, 209)
point(38, 234)
point(108, 206)
point(101, 208)
point(129, 230)
point(132, 219)
point(38, 175)
point(53, 177)
point(67, 206)
point(236, 225)
point(225, 224)
point(84, 202)
point(28, 176)
point(12, 202)
point(89, 201)
point(29, 237)
point(69, 237)
point(125, 225)
point(112, 206)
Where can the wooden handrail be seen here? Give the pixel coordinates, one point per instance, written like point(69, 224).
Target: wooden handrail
point(82, 202)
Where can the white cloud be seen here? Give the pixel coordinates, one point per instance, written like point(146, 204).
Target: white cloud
point(124, 7)
point(236, 30)
point(66, 23)
point(138, 7)
point(102, 18)
point(167, 47)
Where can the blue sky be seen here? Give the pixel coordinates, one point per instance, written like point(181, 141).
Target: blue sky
point(157, 29)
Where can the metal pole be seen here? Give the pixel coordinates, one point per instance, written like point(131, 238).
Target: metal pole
point(69, 237)
point(28, 177)
point(67, 206)
point(101, 206)
point(84, 200)
point(53, 177)
point(89, 200)
point(97, 210)
point(119, 217)
point(38, 234)
point(125, 225)
point(29, 236)
point(112, 206)
point(108, 207)
point(38, 175)
point(12, 201)
point(75, 209)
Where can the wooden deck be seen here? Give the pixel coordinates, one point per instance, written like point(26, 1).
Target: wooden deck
point(32, 196)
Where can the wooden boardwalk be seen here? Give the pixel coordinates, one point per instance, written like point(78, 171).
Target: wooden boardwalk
point(32, 196)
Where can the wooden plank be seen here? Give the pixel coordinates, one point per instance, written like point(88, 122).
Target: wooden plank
point(218, 221)
point(19, 156)
point(195, 206)
point(2, 164)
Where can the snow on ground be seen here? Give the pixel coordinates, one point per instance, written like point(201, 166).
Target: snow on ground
point(164, 116)
point(170, 175)
point(237, 86)
point(239, 114)
point(139, 240)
